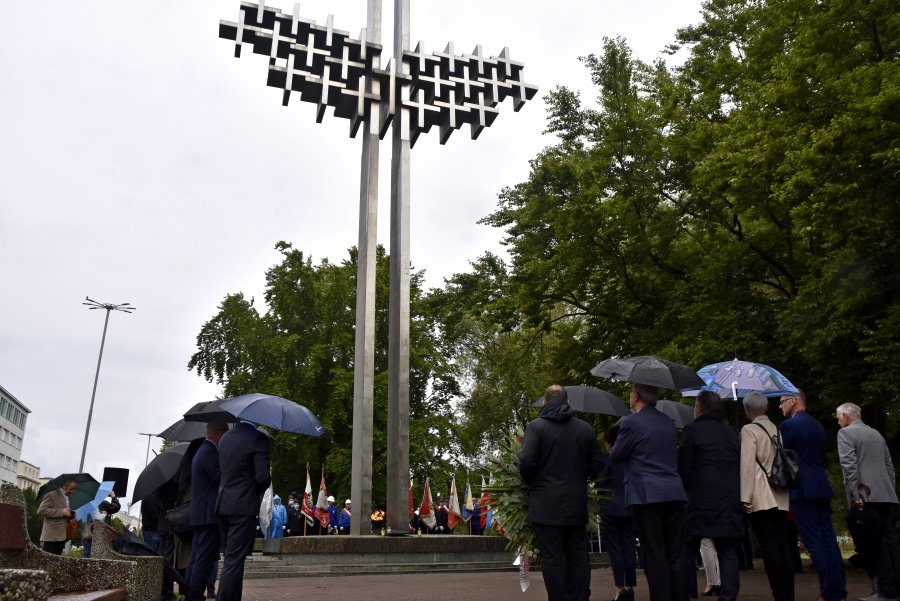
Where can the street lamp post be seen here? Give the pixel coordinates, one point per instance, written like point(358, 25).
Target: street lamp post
point(92, 304)
point(147, 456)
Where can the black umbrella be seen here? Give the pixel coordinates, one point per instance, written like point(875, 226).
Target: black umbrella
point(680, 413)
point(163, 468)
point(648, 370)
point(588, 399)
point(83, 493)
point(208, 411)
point(184, 431)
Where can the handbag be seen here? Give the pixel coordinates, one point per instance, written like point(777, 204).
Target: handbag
point(72, 529)
point(785, 465)
point(179, 518)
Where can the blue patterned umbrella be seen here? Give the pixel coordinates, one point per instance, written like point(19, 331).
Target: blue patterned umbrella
point(737, 379)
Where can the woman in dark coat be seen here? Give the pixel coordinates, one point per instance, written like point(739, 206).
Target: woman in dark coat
point(709, 461)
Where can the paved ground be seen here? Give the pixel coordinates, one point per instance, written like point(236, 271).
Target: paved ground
point(494, 586)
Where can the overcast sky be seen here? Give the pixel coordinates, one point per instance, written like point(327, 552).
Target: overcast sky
point(141, 162)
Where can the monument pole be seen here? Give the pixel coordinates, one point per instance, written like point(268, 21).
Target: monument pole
point(329, 68)
point(398, 311)
point(364, 357)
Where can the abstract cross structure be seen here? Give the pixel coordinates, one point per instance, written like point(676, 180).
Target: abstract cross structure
point(327, 67)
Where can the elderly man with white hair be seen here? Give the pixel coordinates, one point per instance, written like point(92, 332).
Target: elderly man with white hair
point(870, 483)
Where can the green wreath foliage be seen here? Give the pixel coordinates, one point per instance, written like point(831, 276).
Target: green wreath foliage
point(509, 498)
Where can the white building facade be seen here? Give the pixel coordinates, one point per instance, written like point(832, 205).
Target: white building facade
point(28, 477)
point(13, 418)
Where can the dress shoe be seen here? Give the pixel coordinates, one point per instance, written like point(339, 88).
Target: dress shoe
point(712, 591)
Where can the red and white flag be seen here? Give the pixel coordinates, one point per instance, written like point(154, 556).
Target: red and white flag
point(306, 507)
point(455, 516)
point(485, 503)
point(426, 510)
point(321, 502)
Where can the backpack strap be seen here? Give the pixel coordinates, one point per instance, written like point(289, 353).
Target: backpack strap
point(775, 442)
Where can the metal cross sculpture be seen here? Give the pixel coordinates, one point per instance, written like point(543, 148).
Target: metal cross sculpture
point(413, 93)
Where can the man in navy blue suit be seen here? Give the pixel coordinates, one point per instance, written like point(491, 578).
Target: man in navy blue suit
point(647, 446)
point(204, 490)
point(245, 474)
point(811, 497)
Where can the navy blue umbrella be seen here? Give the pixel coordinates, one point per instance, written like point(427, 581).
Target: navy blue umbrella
point(274, 412)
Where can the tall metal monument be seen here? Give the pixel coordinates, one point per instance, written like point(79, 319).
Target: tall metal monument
point(414, 92)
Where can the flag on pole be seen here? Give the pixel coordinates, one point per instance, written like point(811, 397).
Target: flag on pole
point(487, 512)
point(454, 516)
point(306, 507)
point(321, 502)
point(426, 510)
point(484, 503)
point(468, 509)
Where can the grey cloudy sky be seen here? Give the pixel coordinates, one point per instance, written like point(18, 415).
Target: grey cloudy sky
point(141, 162)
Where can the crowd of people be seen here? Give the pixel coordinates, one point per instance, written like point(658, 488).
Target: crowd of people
point(696, 497)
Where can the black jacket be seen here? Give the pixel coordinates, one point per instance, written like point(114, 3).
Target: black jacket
point(709, 462)
point(559, 453)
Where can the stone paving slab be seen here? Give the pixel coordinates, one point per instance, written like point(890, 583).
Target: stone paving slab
point(494, 586)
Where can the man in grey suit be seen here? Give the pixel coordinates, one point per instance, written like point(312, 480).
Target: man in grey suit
point(870, 483)
point(245, 474)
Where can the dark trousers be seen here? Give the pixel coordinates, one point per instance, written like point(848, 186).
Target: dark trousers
point(729, 576)
point(53, 546)
point(887, 564)
point(204, 553)
point(813, 520)
point(771, 529)
point(237, 533)
point(166, 548)
point(564, 561)
point(618, 541)
point(660, 529)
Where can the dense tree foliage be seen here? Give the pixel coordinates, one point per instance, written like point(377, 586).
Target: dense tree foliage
point(744, 204)
point(302, 348)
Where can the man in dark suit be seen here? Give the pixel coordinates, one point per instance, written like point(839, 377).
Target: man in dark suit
point(559, 453)
point(647, 446)
point(811, 498)
point(205, 478)
point(245, 475)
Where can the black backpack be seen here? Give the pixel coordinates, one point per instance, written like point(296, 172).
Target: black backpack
point(785, 466)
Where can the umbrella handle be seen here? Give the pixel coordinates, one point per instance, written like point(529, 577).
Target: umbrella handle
point(734, 389)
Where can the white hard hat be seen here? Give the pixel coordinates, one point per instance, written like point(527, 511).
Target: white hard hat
point(347, 502)
point(330, 499)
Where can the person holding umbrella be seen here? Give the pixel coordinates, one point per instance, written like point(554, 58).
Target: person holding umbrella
point(205, 478)
point(559, 454)
point(246, 471)
point(55, 510)
point(647, 447)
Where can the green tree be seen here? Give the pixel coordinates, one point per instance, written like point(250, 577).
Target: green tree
point(302, 348)
point(744, 203)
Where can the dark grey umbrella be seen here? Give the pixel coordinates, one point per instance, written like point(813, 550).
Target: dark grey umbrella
point(163, 468)
point(208, 411)
point(680, 413)
point(184, 431)
point(588, 399)
point(649, 370)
